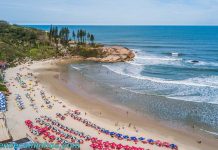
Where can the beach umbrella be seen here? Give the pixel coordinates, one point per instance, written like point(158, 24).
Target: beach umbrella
point(119, 135)
point(93, 139)
point(46, 134)
point(36, 127)
point(126, 147)
point(100, 147)
point(94, 146)
point(73, 138)
point(28, 122)
point(80, 141)
point(99, 141)
point(133, 138)
point(173, 146)
point(166, 144)
point(119, 146)
point(106, 131)
point(133, 148)
point(106, 144)
point(112, 133)
point(141, 138)
point(113, 145)
point(125, 136)
point(150, 141)
point(158, 143)
point(52, 138)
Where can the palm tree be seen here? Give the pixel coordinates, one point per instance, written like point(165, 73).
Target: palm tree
point(55, 34)
point(78, 36)
point(74, 36)
point(51, 33)
point(92, 38)
point(88, 35)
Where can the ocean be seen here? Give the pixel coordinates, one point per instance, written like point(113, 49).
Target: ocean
point(173, 77)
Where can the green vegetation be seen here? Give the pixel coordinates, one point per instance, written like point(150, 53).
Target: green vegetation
point(17, 43)
point(3, 87)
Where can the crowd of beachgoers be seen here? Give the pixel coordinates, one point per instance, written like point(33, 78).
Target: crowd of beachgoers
point(46, 118)
point(34, 109)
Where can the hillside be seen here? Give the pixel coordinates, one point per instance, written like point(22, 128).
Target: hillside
point(17, 42)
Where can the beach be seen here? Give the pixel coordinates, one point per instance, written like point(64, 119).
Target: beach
point(47, 76)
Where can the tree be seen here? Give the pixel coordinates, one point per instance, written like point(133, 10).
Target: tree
point(56, 36)
point(78, 36)
point(64, 36)
point(92, 38)
point(74, 35)
point(51, 33)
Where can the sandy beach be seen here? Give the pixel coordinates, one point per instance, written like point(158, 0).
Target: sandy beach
point(45, 76)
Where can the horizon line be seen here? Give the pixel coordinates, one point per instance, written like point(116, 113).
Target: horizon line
point(118, 24)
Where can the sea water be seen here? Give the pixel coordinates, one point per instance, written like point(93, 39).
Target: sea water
point(174, 75)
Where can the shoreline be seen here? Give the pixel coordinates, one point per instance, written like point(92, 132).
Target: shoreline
point(121, 110)
point(100, 113)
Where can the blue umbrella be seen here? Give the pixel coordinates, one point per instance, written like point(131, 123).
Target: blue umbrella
point(119, 135)
point(125, 136)
point(107, 131)
point(150, 141)
point(133, 138)
point(112, 133)
point(141, 138)
point(173, 146)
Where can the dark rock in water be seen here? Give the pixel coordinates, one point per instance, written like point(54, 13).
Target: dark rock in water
point(195, 61)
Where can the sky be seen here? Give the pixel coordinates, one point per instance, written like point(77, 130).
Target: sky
point(110, 12)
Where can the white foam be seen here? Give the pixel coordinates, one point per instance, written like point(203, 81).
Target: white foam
point(213, 133)
point(202, 63)
point(191, 82)
point(193, 89)
point(74, 67)
point(148, 59)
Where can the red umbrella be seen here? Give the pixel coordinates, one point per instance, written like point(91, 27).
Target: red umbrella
point(36, 127)
point(166, 144)
point(133, 148)
point(119, 146)
point(113, 145)
point(93, 139)
point(46, 134)
point(106, 144)
point(158, 143)
point(144, 142)
point(100, 147)
point(52, 138)
point(127, 147)
point(93, 146)
point(28, 122)
point(99, 141)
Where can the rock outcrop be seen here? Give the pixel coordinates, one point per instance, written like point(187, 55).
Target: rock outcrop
point(114, 54)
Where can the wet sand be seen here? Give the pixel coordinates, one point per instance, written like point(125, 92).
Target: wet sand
point(117, 115)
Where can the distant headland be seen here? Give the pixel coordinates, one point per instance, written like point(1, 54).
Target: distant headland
point(21, 43)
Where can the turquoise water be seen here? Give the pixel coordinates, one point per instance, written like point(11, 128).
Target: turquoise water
point(174, 76)
point(160, 72)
